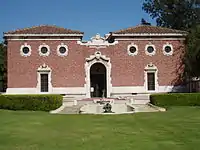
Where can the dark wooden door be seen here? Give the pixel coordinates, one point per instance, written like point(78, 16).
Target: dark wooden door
point(44, 83)
point(151, 81)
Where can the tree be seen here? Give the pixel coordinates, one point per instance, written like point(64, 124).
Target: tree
point(144, 22)
point(2, 67)
point(176, 14)
point(192, 55)
point(181, 15)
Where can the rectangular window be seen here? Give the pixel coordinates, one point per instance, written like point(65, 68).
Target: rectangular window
point(151, 81)
point(44, 82)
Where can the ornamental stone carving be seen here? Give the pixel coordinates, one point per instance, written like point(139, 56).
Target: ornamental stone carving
point(98, 56)
point(97, 42)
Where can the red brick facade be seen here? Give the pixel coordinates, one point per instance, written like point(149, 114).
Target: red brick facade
point(69, 71)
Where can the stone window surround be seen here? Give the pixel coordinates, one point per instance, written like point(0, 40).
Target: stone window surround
point(44, 69)
point(48, 48)
point(58, 50)
point(151, 68)
point(172, 50)
point(21, 50)
point(150, 54)
point(128, 49)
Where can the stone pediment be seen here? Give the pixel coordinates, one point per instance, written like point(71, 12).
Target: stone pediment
point(97, 41)
point(44, 68)
point(150, 67)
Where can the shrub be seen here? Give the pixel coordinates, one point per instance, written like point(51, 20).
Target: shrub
point(176, 99)
point(30, 102)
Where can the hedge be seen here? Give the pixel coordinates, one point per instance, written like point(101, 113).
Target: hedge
point(176, 99)
point(42, 102)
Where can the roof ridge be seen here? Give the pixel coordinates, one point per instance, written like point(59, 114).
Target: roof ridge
point(25, 28)
point(147, 29)
point(41, 25)
point(131, 27)
point(154, 26)
point(163, 27)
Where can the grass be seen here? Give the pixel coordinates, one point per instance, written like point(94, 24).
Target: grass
point(176, 129)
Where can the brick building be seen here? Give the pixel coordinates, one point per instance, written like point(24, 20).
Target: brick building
point(50, 59)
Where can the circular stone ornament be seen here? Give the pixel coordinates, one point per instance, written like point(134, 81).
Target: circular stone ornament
point(44, 50)
point(62, 50)
point(132, 49)
point(25, 50)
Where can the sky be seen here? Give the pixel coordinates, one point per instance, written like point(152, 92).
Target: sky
point(88, 16)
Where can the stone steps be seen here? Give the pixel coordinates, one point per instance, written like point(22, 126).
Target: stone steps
point(144, 108)
point(71, 109)
point(133, 99)
point(138, 99)
point(72, 105)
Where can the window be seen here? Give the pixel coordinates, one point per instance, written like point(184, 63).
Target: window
point(44, 82)
point(151, 78)
point(44, 50)
point(62, 50)
point(151, 81)
point(132, 49)
point(167, 49)
point(25, 50)
point(150, 50)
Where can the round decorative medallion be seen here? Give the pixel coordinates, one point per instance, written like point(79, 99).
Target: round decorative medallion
point(62, 50)
point(167, 49)
point(25, 50)
point(132, 49)
point(44, 50)
point(150, 50)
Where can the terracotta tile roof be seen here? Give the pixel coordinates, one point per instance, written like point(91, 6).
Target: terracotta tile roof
point(44, 29)
point(147, 29)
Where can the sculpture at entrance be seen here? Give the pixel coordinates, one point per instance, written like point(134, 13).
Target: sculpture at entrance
point(107, 108)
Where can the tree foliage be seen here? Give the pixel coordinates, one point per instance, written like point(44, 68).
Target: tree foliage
point(176, 14)
point(2, 67)
point(181, 15)
point(192, 55)
point(144, 22)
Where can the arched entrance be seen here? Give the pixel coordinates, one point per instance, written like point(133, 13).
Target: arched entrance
point(98, 80)
point(93, 62)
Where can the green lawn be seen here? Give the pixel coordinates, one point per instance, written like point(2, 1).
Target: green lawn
point(176, 129)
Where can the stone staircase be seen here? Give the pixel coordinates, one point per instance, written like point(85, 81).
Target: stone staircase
point(139, 98)
point(72, 105)
point(71, 109)
point(144, 108)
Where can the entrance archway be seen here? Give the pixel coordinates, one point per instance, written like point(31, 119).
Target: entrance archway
point(98, 82)
point(104, 62)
